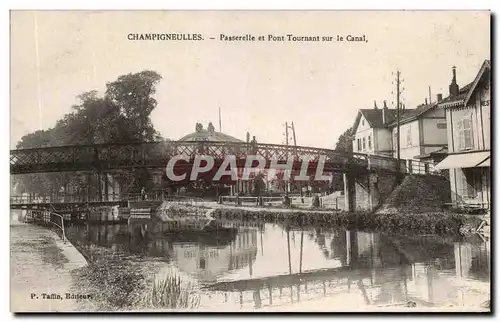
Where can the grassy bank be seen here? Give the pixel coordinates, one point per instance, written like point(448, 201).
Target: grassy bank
point(439, 223)
point(121, 282)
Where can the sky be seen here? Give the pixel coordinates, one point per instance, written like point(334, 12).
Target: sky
point(319, 86)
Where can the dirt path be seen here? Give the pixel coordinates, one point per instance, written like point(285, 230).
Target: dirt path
point(40, 263)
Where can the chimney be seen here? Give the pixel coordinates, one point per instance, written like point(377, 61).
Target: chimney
point(426, 101)
point(454, 86)
point(384, 120)
point(375, 105)
point(439, 97)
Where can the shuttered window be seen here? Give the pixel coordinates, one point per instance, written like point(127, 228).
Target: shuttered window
point(408, 137)
point(464, 127)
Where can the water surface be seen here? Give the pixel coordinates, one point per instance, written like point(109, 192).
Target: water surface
point(249, 265)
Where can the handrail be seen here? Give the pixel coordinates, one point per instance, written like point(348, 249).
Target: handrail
point(60, 226)
point(51, 214)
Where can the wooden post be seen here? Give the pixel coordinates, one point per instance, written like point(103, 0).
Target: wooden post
point(301, 250)
point(289, 255)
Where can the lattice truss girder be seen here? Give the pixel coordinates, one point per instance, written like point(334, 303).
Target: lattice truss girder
point(158, 153)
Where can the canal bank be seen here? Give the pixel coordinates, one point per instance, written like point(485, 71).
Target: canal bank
point(40, 273)
point(440, 223)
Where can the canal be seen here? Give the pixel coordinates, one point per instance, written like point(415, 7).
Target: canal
point(251, 265)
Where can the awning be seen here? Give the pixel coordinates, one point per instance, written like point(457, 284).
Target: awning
point(485, 163)
point(464, 160)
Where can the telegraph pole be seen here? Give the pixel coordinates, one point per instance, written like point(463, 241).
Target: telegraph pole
point(286, 134)
point(289, 127)
point(286, 143)
point(398, 104)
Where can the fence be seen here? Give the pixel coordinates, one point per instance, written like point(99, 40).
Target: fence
point(336, 202)
point(408, 166)
point(47, 218)
point(60, 198)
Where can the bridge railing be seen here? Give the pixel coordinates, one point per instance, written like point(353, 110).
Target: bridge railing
point(408, 166)
point(114, 156)
point(48, 218)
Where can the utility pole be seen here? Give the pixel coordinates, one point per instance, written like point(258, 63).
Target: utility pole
point(289, 127)
point(295, 144)
point(220, 122)
point(398, 103)
point(286, 143)
point(286, 134)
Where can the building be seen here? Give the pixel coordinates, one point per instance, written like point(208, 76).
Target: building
point(371, 131)
point(208, 134)
point(423, 131)
point(469, 142)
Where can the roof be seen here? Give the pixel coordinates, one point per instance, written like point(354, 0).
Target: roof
point(412, 114)
point(486, 66)
point(465, 93)
point(374, 117)
point(205, 135)
point(462, 93)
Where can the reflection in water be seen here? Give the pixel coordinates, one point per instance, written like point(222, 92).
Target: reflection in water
point(251, 265)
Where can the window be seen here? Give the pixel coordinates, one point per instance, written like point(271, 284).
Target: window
point(359, 144)
point(464, 127)
point(364, 144)
point(369, 142)
point(202, 263)
point(408, 137)
point(363, 122)
point(471, 182)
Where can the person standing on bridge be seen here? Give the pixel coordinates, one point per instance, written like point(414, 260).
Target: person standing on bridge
point(254, 145)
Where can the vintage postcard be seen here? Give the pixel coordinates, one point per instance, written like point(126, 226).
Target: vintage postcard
point(250, 161)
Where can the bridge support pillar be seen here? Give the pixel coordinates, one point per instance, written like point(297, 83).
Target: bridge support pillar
point(370, 189)
point(349, 192)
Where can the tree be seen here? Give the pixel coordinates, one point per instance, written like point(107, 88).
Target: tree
point(344, 144)
point(121, 115)
point(133, 96)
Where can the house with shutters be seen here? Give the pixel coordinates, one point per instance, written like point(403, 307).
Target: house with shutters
point(371, 131)
point(468, 117)
point(423, 132)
